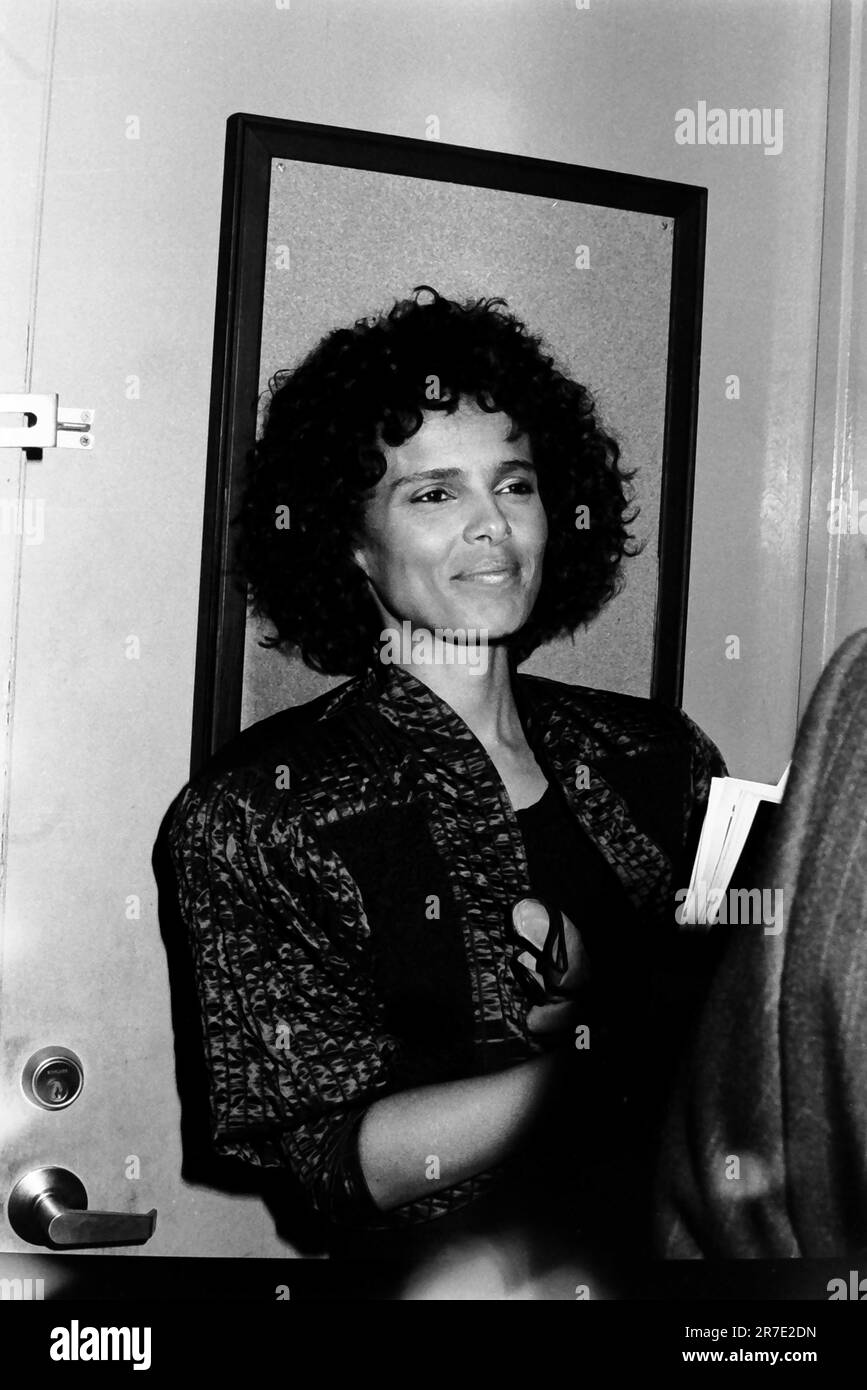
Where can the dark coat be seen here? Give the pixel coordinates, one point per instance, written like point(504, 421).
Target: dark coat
point(779, 1077)
point(346, 874)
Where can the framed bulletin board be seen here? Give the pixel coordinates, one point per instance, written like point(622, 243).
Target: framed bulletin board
point(322, 226)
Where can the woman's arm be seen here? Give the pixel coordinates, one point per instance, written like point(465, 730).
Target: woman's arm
point(471, 1125)
point(467, 1126)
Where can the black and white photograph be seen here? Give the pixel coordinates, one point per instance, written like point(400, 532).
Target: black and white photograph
point(433, 828)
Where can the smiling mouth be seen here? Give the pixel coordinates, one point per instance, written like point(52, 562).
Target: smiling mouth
point(501, 575)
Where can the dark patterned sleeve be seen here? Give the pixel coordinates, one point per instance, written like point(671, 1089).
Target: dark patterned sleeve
point(293, 1039)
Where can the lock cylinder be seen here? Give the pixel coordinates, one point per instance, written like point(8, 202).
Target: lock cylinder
point(53, 1078)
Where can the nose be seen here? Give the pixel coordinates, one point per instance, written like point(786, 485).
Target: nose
point(487, 520)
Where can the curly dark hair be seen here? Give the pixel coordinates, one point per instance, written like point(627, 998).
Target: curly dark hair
point(318, 457)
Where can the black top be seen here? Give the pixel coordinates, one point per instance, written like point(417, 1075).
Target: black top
point(566, 1184)
point(567, 869)
point(581, 1187)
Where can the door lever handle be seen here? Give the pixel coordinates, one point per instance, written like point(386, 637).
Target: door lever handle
point(49, 1207)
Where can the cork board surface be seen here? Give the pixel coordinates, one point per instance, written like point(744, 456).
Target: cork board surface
point(358, 239)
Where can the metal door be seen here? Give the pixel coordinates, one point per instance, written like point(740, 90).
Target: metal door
point(95, 748)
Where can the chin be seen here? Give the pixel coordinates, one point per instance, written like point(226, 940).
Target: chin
point(493, 620)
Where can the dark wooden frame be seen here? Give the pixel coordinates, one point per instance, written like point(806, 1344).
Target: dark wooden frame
point(252, 142)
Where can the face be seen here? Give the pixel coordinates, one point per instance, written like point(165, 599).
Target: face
point(454, 533)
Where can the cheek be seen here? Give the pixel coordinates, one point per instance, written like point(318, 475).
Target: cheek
point(420, 544)
point(402, 550)
point(538, 529)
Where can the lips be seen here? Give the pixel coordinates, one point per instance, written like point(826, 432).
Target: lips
point(489, 573)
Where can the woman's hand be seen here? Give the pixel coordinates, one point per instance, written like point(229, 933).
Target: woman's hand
point(531, 922)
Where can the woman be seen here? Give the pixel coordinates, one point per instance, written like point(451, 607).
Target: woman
point(359, 876)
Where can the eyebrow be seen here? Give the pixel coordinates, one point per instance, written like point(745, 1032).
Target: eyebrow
point(442, 474)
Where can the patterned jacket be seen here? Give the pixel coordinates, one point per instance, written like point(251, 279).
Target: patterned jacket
point(346, 872)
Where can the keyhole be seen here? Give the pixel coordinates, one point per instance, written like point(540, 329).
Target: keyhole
point(56, 1092)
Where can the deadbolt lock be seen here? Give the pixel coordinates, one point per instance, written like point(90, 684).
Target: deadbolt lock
point(53, 1078)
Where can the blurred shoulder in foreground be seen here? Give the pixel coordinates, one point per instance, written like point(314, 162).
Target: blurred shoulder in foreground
point(765, 1149)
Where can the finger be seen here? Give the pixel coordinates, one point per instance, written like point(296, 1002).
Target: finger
point(551, 1018)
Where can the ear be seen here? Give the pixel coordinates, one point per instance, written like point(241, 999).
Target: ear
point(361, 560)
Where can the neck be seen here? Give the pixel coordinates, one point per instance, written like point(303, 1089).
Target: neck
point(481, 695)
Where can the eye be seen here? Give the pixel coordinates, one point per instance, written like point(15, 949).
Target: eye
point(523, 487)
point(433, 493)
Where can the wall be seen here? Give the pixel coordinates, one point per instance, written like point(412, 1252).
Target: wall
point(597, 86)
